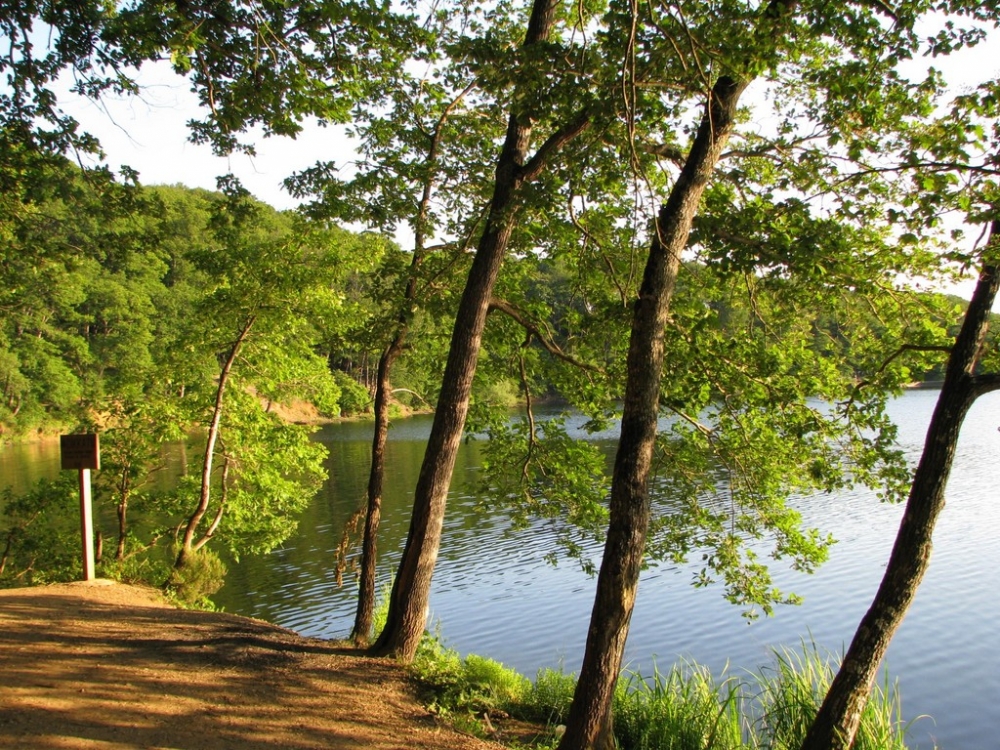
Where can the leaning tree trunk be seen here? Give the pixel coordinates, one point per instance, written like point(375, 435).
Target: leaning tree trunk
point(838, 719)
point(589, 722)
point(411, 589)
point(369, 549)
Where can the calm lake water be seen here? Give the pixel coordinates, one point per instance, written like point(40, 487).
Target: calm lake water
point(494, 594)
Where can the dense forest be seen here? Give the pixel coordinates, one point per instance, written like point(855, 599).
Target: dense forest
point(128, 282)
point(719, 212)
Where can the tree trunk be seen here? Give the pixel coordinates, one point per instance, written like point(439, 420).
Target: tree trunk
point(838, 719)
point(589, 722)
point(369, 550)
point(411, 589)
point(122, 512)
point(213, 434)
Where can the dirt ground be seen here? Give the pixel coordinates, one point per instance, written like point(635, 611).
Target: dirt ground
point(106, 665)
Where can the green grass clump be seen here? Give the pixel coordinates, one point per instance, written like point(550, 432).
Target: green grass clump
point(681, 710)
point(475, 683)
point(788, 696)
point(549, 699)
point(380, 615)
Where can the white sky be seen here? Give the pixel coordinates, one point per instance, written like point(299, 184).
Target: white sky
point(149, 133)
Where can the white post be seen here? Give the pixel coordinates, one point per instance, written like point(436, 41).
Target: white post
point(83, 453)
point(87, 525)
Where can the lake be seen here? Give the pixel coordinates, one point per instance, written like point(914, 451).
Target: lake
point(494, 594)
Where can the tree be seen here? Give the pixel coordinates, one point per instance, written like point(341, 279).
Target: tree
point(265, 283)
point(765, 41)
point(515, 169)
point(837, 721)
point(942, 150)
point(421, 165)
point(80, 277)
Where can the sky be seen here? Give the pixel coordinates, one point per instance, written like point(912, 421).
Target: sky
point(149, 134)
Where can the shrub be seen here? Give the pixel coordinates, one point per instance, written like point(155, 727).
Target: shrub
point(475, 684)
point(201, 575)
point(550, 697)
point(40, 533)
point(354, 397)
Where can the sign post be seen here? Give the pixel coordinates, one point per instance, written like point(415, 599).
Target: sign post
point(83, 452)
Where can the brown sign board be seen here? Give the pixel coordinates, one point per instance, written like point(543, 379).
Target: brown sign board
point(80, 451)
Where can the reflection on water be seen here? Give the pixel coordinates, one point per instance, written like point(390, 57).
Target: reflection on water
point(493, 593)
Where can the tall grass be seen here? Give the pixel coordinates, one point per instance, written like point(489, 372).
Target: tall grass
point(787, 697)
point(684, 709)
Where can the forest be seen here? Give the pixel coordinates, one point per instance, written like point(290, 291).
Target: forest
point(724, 212)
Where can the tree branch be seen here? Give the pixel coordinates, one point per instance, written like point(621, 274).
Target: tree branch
point(982, 384)
point(899, 352)
point(674, 154)
point(550, 346)
point(553, 143)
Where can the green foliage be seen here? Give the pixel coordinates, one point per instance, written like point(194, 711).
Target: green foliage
point(193, 583)
point(381, 613)
point(277, 471)
point(685, 708)
point(149, 569)
point(40, 533)
point(550, 697)
point(117, 304)
point(473, 684)
point(789, 694)
point(354, 397)
point(543, 475)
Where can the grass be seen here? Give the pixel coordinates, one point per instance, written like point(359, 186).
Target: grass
point(686, 708)
point(789, 693)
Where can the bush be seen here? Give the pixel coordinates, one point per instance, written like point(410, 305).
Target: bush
point(354, 397)
point(201, 575)
point(550, 697)
point(40, 533)
point(474, 684)
point(144, 567)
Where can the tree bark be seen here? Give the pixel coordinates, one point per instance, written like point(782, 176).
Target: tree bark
point(589, 722)
point(838, 719)
point(410, 596)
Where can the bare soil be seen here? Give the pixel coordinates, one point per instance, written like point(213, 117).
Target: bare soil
point(107, 665)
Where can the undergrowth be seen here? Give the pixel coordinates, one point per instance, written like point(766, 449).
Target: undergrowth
point(686, 708)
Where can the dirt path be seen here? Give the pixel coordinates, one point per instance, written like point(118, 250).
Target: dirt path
point(105, 665)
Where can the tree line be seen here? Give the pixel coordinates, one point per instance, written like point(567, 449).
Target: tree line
point(664, 160)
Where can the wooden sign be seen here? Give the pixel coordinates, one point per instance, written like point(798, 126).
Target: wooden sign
point(80, 451)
